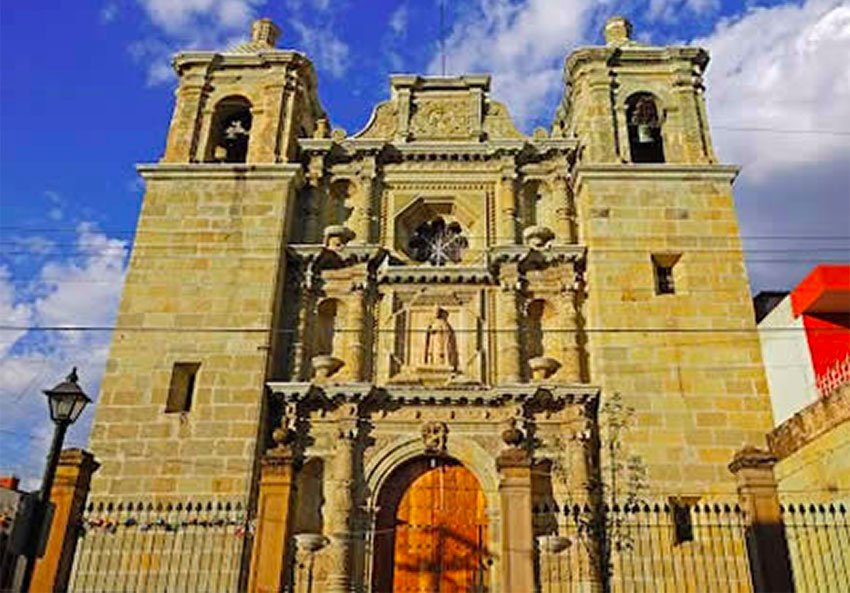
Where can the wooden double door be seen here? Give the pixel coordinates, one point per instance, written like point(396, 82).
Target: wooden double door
point(432, 536)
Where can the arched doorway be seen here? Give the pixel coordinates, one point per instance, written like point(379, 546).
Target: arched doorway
point(431, 530)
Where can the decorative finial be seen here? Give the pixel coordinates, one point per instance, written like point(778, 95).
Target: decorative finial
point(72, 376)
point(618, 31)
point(265, 32)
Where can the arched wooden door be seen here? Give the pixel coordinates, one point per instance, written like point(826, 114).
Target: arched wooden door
point(438, 533)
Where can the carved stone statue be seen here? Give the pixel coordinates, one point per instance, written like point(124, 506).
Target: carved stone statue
point(440, 342)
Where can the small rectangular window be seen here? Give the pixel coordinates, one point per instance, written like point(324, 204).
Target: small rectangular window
point(182, 387)
point(683, 526)
point(664, 278)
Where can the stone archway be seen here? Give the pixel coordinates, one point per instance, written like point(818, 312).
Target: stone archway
point(431, 530)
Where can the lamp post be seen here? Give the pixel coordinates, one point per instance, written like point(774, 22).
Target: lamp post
point(66, 402)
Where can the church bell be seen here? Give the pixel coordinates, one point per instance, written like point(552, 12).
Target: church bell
point(644, 134)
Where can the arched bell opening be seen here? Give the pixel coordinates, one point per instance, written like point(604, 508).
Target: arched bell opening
point(646, 144)
point(431, 530)
point(230, 131)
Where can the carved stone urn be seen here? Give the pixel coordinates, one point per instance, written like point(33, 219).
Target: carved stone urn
point(325, 365)
point(552, 544)
point(337, 236)
point(538, 237)
point(310, 542)
point(542, 367)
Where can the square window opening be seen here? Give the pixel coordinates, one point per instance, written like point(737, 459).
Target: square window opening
point(182, 387)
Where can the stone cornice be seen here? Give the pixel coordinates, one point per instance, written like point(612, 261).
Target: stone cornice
point(220, 171)
point(484, 150)
point(548, 255)
point(810, 423)
point(655, 172)
point(259, 59)
point(427, 274)
point(460, 394)
point(612, 56)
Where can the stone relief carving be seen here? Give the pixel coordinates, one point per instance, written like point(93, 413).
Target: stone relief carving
point(435, 436)
point(384, 123)
point(498, 123)
point(440, 119)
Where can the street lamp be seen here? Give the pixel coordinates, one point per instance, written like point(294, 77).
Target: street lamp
point(67, 401)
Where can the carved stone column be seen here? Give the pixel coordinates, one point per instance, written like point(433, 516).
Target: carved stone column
point(313, 205)
point(361, 220)
point(506, 205)
point(565, 228)
point(340, 504)
point(570, 355)
point(507, 332)
point(302, 347)
point(767, 546)
point(182, 135)
point(355, 354)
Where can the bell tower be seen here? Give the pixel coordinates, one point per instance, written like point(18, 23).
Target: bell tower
point(247, 105)
point(666, 280)
point(181, 408)
point(631, 103)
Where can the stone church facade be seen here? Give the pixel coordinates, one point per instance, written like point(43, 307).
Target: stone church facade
point(373, 338)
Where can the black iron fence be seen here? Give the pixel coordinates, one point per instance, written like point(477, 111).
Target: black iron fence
point(645, 547)
point(164, 547)
point(819, 545)
point(641, 548)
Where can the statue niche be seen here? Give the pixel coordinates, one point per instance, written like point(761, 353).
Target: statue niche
point(440, 342)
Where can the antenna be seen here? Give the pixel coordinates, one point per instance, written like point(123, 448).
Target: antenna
point(443, 34)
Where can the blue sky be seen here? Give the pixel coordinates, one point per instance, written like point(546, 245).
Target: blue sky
point(86, 92)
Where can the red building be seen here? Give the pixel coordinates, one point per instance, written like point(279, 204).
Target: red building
point(805, 338)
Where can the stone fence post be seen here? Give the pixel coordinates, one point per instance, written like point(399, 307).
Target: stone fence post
point(514, 465)
point(69, 493)
point(271, 533)
point(767, 546)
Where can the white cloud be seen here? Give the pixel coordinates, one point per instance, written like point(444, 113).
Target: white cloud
point(178, 17)
point(781, 68)
point(80, 290)
point(108, 13)
point(669, 10)
point(323, 46)
point(189, 24)
point(522, 45)
point(398, 21)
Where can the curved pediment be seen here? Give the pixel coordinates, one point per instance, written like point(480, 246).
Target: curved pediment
point(440, 109)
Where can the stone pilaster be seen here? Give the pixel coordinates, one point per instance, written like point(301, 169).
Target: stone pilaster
point(767, 546)
point(69, 493)
point(182, 141)
point(517, 553)
point(263, 147)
